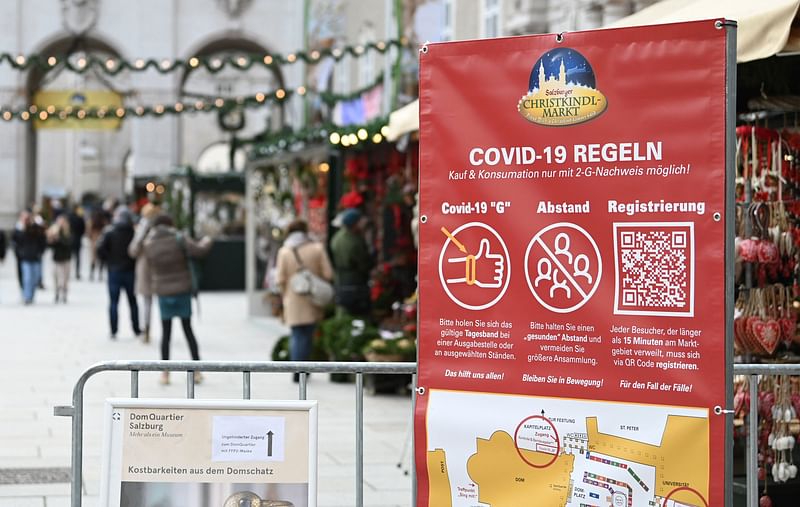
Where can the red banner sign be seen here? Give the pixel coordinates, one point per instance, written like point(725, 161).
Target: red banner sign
point(572, 269)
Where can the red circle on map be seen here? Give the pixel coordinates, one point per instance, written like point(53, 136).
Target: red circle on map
point(685, 488)
point(555, 431)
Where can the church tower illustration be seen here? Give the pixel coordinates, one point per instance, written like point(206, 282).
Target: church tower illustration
point(562, 73)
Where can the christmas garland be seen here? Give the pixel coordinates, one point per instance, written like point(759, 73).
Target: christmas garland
point(213, 64)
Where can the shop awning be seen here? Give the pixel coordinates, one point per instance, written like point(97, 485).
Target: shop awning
point(765, 26)
point(404, 120)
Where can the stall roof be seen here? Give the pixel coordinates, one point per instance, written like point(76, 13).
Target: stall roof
point(404, 120)
point(765, 26)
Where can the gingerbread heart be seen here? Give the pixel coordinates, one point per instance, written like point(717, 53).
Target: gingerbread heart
point(768, 252)
point(748, 249)
point(788, 326)
point(753, 344)
point(768, 334)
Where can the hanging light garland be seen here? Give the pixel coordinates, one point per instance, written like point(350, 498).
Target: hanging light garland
point(213, 64)
point(353, 136)
point(199, 104)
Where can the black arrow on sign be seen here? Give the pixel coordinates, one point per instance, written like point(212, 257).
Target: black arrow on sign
point(269, 442)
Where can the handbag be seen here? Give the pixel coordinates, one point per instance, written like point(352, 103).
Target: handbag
point(306, 283)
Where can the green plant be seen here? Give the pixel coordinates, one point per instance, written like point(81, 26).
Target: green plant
point(344, 337)
point(401, 346)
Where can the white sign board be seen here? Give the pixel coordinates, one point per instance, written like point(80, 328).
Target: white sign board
point(204, 453)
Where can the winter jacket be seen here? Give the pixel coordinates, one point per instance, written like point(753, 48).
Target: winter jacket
point(77, 226)
point(351, 260)
point(144, 284)
point(29, 243)
point(62, 247)
point(169, 266)
point(113, 247)
point(297, 308)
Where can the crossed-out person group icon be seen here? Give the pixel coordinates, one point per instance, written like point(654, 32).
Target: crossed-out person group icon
point(579, 266)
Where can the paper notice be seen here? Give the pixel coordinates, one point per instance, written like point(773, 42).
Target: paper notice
point(248, 438)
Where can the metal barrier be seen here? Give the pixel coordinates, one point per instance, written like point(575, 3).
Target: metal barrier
point(753, 371)
point(245, 368)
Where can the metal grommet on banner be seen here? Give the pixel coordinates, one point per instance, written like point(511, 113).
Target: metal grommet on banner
point(717, 216)
point(719, 411)
point(718, 24)
point(560, 37)
point(421, 391)
point(424, 48)
point(423, 218)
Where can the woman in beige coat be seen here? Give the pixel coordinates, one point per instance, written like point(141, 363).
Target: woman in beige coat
point(299, 313)
point(143, 283)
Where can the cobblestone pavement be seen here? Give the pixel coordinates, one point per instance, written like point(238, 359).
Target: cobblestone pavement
point(46, 347)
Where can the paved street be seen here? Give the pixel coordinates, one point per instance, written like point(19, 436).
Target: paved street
point(46, 347)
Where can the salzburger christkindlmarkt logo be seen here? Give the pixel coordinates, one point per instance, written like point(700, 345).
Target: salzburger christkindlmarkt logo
point(562, 90)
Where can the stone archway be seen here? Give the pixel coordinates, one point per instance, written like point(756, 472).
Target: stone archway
point(74, 161)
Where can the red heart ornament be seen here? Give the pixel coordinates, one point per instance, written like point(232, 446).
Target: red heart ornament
point(768, 252)
point(768, 334)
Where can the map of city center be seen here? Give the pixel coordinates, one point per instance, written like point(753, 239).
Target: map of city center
point(548, 452)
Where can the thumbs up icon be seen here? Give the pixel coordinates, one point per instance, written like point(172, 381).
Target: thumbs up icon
point(484, 270)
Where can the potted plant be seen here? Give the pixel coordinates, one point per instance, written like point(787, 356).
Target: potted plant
point(343, 338)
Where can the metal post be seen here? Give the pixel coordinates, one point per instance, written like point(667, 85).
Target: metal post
point(359, 439)
point(413, 454)
point(246, 385)
point(752, 445)
point(190, 384)
point(134, 383)
point(303, 394)
point(77, 446)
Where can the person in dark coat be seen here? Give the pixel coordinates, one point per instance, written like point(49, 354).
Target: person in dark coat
point(352, 264)
point(77, 227)
point(113, 250)
point(29, 245)
point(60, 240)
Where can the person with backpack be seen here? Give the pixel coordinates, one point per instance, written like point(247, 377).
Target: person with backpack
point(169, 254)
point(300, 313)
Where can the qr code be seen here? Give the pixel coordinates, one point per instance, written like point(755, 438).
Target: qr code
point(654, 268)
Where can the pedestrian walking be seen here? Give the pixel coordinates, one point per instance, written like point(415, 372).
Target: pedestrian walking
point(143, 276)
point(113, 249)
point(299, 313)
point(169, 255)
point(77, 227)
point(29, 245)
point(352, 264)
point(97, 224)
point(59, 238)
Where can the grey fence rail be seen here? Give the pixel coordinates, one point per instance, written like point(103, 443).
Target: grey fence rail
point(245, 368)
point(753, 371)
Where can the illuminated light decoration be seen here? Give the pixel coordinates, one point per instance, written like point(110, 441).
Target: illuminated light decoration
point(260, 97)
point(166, 64)
point(178, 107)
point(20, 60)
point(101, 113)
point(139, 64)
point(139, 110)
point(150, 187)
point(159, 109)
point(385, 130)
point(33, 109)
point(62, 115)
point(324, 167)
point(335, 138)
point(377, 138)
point(24, 115)
point(336, 53)
point(216, 63)
point(362, 134)
point(280, 93)
point(353, 139)
point(359, 50)
point(315, 55)
point(200, 105)
point(110, 64)
point(301, 90)
point(43, 115)
point(160, 189)
point(52, 61)
point(120, 112)
point(194, 62)
point(81, 113)
point(381, 45)
point(345, 141)
point(241, 61)
point(268, 60)
point(6, 115)
point(51, 109)
point(68, 109)
point(81, 62)
point(219, 102)
point(291, 58)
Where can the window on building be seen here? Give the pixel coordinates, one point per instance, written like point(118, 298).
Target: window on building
point(491, 18)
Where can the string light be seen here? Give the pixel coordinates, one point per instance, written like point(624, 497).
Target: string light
point(280, 93)
point(120, 112)
point(260, 97)
point(242, 61)
point(110, 64)
point(150, 187)
point(345, 141)
point(268, 60)
point(315, 55)
point(51, 109)
point(216, 63)
point(199, 105)
point(353, 139)
point(324, 167)
point(139, 110)
point(159, 109)
point(165, 64)
point(24, 115)
point(291, 58)
point(6, 115)
point(385, 130)
point(301, 90)
point(336, 53)
point(139, 64)
point(81, 114)
point(362, 134)
point(52, 61)
point(381, 45)
point(359, 50)
point(62, 115)
point(33, 109)
point(20, 60)
point(101, 113)
point(43, 115)
point(335, 138)
point(178, 107)
point(377, 138)
point(81, 62)
point(194, 62)
point(219, 102)
point(160, 189)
